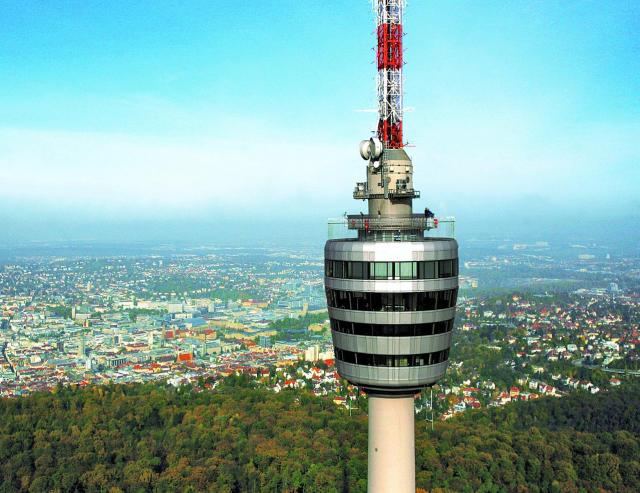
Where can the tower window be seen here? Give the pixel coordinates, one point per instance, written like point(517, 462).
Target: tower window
point(392, 330)
point(390, 360)
point(391, 302)
point(428, 269)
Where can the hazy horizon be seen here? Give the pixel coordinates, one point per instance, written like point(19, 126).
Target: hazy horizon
point(292, 231)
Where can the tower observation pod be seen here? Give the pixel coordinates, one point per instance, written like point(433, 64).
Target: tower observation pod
point(391, 292)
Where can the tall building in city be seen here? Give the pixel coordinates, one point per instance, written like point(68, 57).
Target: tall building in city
point(81, 347)
point(391, 292)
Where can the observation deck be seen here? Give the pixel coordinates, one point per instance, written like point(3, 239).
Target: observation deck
point(414, 227)
point(392, 308)
point(391, 223)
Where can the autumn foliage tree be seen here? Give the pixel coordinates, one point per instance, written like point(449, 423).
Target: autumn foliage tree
point(155, 438)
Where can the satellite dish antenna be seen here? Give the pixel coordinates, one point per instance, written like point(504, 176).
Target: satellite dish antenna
point(375, 151)
point(371, 150)
point(375, 148)
point(365, 150)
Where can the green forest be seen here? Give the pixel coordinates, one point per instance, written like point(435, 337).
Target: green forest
point(155, 438)
point(299, 323)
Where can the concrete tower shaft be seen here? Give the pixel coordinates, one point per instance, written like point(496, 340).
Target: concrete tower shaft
point(392, 463)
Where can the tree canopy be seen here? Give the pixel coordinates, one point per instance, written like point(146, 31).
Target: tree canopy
point(237, 438)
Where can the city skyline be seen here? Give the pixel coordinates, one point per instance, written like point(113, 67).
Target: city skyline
point(137, 118)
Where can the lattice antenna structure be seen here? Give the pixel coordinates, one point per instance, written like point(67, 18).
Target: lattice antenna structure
point(389, 81)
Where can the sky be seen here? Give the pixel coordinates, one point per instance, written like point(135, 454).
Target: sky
point(155, 119)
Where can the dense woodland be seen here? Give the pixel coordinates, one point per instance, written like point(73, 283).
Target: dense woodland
point(236, 438)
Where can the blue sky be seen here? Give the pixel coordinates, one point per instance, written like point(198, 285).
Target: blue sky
point(150, 111)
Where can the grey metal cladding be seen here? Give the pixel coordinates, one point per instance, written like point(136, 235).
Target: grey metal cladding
point(368, 317)
point(391, 377)
point(405, 251)
point(384, 378)
point(392, 345)
point(392, 286)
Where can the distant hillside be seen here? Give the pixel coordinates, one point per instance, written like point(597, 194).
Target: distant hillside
point(143, 438)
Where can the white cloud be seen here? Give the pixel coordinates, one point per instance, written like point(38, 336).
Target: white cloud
point(499, 159)
point(111, 173)
point(459, 166)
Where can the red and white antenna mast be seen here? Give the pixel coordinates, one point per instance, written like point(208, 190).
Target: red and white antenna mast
point(389, 57)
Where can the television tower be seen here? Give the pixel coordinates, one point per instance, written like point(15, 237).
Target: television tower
point(391, 292)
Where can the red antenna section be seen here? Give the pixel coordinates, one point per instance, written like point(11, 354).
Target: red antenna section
point(390, 61)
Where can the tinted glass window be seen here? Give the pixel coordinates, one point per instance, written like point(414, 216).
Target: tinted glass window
point(391, 302)
point(382, 270)
point(407, 270)
point(392, 360)
point(392, 330)
point(391, 270)
point(356, 270)
point(445, 268)
point(426, 270)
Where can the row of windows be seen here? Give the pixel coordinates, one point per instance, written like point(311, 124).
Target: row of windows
point(392, 330)
point(428, 269)
point(391, 360)
point(391, 302)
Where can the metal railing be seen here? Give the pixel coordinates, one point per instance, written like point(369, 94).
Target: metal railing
point(386, 223)
point(361, 192)
point(346, 226)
